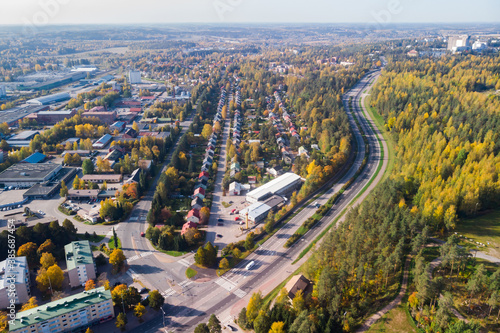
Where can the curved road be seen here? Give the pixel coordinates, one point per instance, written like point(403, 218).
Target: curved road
point(189, 302)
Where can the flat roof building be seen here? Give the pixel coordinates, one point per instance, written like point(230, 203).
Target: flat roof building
point(26, 174)
point(282, 185)
point(103, 141)
point(105, 117)
point(80, 263)
point(257, 212)
point(35, 158)
point(108, 178)
point(24, 135)
point(51, 117)
point(82, 310)
point(14, 272)
point(134, 77)
point(49, 99)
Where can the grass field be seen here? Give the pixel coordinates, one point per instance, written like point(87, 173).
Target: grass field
point(190, 273)
point(484, 229)
point(92, 239)
point(394, 321)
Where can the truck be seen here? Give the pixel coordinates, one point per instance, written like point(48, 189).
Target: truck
point(250, 265)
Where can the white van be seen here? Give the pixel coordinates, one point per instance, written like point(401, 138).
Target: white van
point(250, 265)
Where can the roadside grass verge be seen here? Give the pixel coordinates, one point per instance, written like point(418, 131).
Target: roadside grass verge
point(111, 243)
point(191, 273)
point(91, 238)
point(380, 123)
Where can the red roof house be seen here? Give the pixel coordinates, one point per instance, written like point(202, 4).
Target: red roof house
point(188, 225)
point(193, 216)
point(200, 193)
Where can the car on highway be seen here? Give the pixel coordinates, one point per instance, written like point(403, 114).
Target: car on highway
point(220, 220)
point(219, 235)
point(250, 265)
point(143, 234)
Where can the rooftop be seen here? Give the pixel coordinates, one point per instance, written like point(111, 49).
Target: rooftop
point(35, 158)
point(255, 210)
point(50, 98)
point(24, 135)
point(77, 254)
point(54, 309)
point(18, 269)
point(28, 171)
point(274, 185)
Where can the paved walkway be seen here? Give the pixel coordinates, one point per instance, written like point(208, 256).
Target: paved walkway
point(370, 321)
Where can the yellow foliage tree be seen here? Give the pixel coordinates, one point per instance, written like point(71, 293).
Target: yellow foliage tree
point(89, 285)
point(47, 260)
point(32, 303)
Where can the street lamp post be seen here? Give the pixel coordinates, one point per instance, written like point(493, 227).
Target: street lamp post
point(164, 328)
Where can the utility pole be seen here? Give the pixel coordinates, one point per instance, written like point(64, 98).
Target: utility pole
point(164, 326)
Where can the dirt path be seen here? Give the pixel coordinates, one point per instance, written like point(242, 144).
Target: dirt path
point(370, 321)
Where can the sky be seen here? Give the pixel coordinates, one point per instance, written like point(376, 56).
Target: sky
point(44, 12)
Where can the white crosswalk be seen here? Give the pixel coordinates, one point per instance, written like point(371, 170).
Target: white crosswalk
point(186, 283)
point(184, 262)
point(168, 292)
point(240, 293)
point(142, 255)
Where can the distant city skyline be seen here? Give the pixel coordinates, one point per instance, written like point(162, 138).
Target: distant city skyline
point(45, 12)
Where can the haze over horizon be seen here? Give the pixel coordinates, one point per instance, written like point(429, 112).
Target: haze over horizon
point(43, 12)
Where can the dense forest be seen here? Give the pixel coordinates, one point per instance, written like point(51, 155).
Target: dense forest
point(447, 127)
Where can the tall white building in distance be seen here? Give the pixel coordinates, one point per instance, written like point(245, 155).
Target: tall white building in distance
point(459, 43)
point(134, 77)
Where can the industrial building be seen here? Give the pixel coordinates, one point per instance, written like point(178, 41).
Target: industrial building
point(69, 314)
point(12, 116)
point(45, 81)
point(257, 212)
point(283, 185)
point(104, 116)
point(18, 269)
point(459, 43)
point(24, 136)
point(102, 142)
point(51, 117)
point(46, 190)
point(80, 263)
point(26, 175)
point(134, 77)
point(49, 99)
point(108, 178)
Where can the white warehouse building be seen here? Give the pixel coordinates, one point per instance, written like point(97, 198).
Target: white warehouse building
point(283, 185)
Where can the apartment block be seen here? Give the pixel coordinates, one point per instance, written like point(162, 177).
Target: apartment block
point(70, 314)
point(80, 263)
point(14, 282)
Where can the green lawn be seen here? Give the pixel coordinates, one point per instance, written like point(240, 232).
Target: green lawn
point(483, 229)
point(395, 321)
point(190, 273)
point(111, 243)
point(379, 121)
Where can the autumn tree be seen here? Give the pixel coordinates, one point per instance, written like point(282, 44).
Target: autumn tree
point(121, 321)
point(253, 307)
point(31, 304)
point(46, 247)
point(63, 192)
point(139, 311)
point(28, 250)
point(89, 285)
point(51, 278)
point(277, 327)
point(47, 260)
point(117, 259)
point(204, 215)
point(224, 264)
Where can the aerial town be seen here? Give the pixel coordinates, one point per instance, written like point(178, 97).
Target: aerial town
point(276, 181)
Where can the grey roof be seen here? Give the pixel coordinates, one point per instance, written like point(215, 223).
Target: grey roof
point(24, 135)
point(50, 98)
point(255, 210)
point(274, 201)
point(274, 185)
point(18, 269)
point(28, 172)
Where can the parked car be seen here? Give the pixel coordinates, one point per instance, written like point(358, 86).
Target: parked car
point(220, 220)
